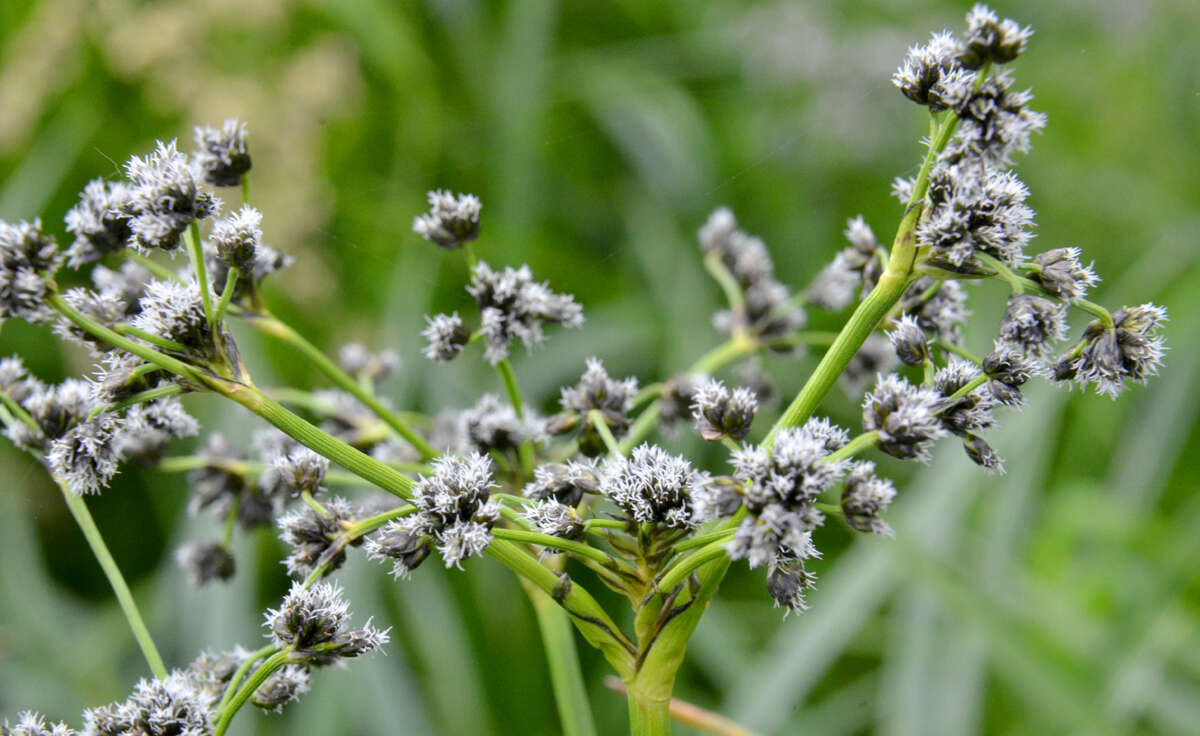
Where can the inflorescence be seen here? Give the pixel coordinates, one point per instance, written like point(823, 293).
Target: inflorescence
point(586, 481)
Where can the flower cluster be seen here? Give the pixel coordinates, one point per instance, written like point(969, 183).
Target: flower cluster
point(455, 511)
point(164, 199)
point(596, 395)
point(652, 486)
point(452, 220)
point(769, 311)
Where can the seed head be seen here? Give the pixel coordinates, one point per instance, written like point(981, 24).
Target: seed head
point(990, 39)
point(982, 454)
point(512, 305)
point(455, 507)
point(556, 519)
point(312, 538)
point(905, 417)
point(786, 582)
point(652, 486)
point(301, 469)
point(404, 549)
point(99, 222)
point(909, 341)
point(451, 220)
point(929, 70)
point(28, 257)
point(775, 533)
point(221, 154)
point(205, 562)
point(968, 413)
point(866, 495)
point(975, 209)
point(494, 425)
point(1131, 350)
point(1060, 272)
point(164, 199)
point(238, 237)
point(595, 392)
point(1033, 324)
point(150, 426)
point(285, 685)
point(33, 724)
point(447, 336)
point(721, 414)
point(86, 458)
point(178, 704)
point(565, 484)
point(175, 311)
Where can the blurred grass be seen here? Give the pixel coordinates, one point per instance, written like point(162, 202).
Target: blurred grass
point(1062, 598)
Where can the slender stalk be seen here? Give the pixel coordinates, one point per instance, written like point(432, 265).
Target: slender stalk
point(155, 340)
point(597, 420)
point(968, 388)
point(270, 325)
point(961, 352)
point(195, 251)
point(525, 449)
point(147, 354)
point(246, 188)
point(729, 285)
point(150, 394)
point(350, 458)
point(95, 540)
point(545, 540)
point(157, 269)
point(240, 673)
point(566, 678)
point(588, 616)
point(862, 442)
point(227, 293)
point(265, 670)
point(680, 570)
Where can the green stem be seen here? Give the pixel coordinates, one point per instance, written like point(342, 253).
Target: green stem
point(729, 285)
point(862, 442)
point(246, 188)
point(545, 540)
point(95, 540)
point(240, 672)
point(151, 394)
point(195, 251)
point(270, 325)
point(147, 354)
point(871, 311)
point(227, 293)
point(149, 337)
point(156, 269)
point(649, 712)
point(525, 449)
point(350, 458)
point(680, 570)
point(265, 670)
point(961, 352)
point(597, 420)
point(566, 677)
point(588, 616)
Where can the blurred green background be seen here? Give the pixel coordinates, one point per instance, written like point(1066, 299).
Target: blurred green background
point(1061, 598)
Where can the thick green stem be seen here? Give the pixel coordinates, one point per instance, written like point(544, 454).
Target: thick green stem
point(545, 540)
point(649, 712)
point(270, 325)
point(95, 540)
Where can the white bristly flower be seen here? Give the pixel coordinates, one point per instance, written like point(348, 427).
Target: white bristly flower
point(164, 198)
point(1060, 272)
point(652, 486)
point(27, 257)
point(1033, 324)
point(86, 457)
point(451, 221)
point(904, 415)
point(866, 495)
point(447, 336)
point(513, 305)
point(1130, 350)
point(99, 222)
point(221, 154)
point(237, 237)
